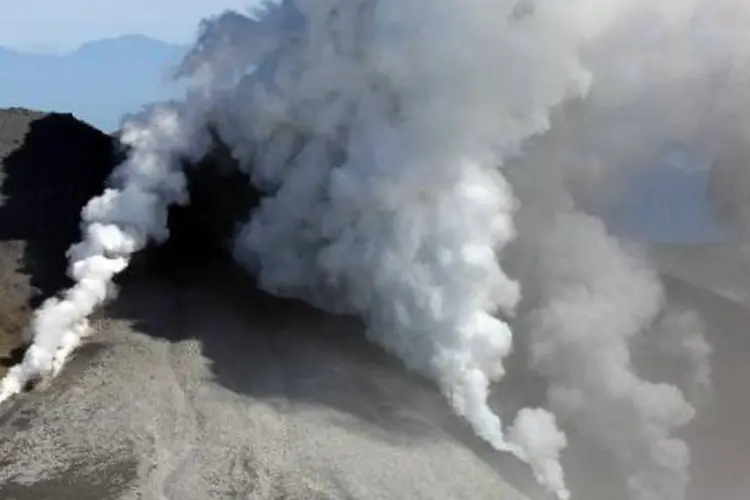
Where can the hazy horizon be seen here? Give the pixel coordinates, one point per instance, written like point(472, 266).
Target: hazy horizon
point(99, 82)
point(38, 26)
point(56, 51)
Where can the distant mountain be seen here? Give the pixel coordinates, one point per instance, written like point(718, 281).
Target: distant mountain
point(98, 82)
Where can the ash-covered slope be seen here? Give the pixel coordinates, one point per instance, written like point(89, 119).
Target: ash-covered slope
point(195, 385)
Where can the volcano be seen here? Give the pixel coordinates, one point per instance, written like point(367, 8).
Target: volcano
point(197, 385)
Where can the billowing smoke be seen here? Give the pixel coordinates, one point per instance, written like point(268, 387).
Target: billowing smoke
point(589, 299)
point(380, 143)
point(405, 147)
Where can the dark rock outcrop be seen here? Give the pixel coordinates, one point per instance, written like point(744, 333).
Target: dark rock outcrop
point(51, 165)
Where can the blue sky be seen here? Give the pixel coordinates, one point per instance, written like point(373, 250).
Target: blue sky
point(62, 25)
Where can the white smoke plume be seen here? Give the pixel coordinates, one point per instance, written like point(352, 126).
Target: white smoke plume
point(403, 145)
point(725, 129)
point(660, 82)
point(590, 298)
point(115, 225)
point(381, 144)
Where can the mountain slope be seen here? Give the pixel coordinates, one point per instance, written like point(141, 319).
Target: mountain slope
point(196, 386)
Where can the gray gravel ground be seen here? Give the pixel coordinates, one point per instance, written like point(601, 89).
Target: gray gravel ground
point(188, 393)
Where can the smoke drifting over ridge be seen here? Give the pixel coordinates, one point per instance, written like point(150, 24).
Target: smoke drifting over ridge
point(404, 146)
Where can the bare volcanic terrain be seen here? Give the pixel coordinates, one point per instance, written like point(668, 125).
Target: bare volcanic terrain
point(197, 386)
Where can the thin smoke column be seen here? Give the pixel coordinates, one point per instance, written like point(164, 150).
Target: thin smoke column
point(115, 225)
